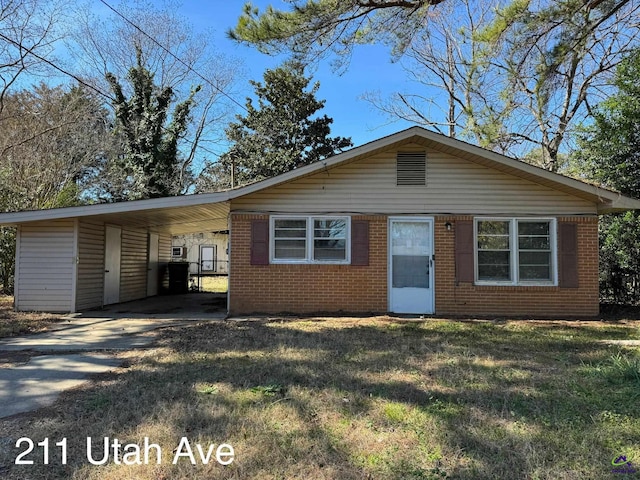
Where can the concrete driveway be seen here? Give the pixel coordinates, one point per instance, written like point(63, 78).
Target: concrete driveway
point(84, 344)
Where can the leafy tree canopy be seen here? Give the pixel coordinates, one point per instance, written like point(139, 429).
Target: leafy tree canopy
point(610, 152)
point(278, 135)
point(312, 28)
point(610, 147)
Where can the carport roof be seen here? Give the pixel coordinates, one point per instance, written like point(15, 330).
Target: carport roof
point(210, 211)
point(171, 215)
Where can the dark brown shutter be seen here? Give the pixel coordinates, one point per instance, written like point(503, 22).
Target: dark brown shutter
point(568, 255)
point(464, 251)
point(360, 242)
point(260, 242)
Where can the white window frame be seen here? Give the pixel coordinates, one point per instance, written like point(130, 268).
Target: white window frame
point(513, 251)
point(179, 255)
point(309, 239)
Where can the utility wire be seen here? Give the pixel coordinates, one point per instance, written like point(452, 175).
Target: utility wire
point(60, 69)
point(106, 95)
point(175, 57)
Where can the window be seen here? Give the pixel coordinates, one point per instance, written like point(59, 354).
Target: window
point(534, 251)
point(330, 239)
point(310, 239)
point(516, 251)
point(176, 251)
point(494, 251)
point(290, 239)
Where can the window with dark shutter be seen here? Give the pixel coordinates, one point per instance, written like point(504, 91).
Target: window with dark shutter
point(360, 242)
point(411, 168)
point(464, 251)
point(568, 255)
point(260, 242)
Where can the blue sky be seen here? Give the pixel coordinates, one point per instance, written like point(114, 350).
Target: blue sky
point(370, 70)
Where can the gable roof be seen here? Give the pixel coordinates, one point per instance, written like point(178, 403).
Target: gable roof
point(209, 211)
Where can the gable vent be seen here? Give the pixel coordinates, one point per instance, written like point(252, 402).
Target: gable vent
point(411, 168)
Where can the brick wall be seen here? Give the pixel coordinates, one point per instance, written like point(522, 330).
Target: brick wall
point(307, 288)
point(469, 299)
point(346, 288)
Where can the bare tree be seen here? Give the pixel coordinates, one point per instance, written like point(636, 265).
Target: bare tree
point(51, 142)
point(559, 59)
point(458, 90)
point(28, 32)
point(514, 76)
point(176, 56)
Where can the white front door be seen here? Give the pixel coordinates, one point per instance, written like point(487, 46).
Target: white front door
point(112, 248)
point(411, 265)
point(152, 267)
point(207, 259)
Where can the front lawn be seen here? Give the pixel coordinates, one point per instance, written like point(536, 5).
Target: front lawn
point(377, 398)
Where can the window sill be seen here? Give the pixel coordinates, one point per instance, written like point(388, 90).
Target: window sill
point(515, 285)
point(306, 262)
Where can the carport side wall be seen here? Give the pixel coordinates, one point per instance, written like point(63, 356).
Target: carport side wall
point(309, 288)
point(45, 266)
point(91, 251)
point(90, 284)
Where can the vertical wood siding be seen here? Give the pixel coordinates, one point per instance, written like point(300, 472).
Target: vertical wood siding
point(90, 286)
point(46, 266)
point(133, 266)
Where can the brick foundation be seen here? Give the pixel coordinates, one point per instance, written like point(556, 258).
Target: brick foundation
point(345, 288)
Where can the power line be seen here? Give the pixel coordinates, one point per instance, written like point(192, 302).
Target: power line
point(175, 57)
point(60, 69)
point(78, 79)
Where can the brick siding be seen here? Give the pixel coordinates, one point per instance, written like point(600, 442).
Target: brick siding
point(296, 288)
point(534, 301)
point(316, 288)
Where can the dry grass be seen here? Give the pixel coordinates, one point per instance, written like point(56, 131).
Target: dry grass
point(374, 398)
point(18, 323)
point(216, 284)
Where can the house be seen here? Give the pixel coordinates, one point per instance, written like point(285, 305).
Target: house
point(414, 222)
point(206, 252)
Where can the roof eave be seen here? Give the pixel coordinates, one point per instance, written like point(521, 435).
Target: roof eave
point(15, 218)
point(618, 203)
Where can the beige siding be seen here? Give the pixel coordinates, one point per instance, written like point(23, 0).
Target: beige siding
point(45, 266)
point(133, 267)
point(192, 243)
point(90, 289)
point(453, 185)
point(164, 257)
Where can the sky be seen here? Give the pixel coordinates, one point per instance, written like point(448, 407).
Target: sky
point(369, 70)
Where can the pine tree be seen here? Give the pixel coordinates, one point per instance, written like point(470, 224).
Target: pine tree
point(278, 135)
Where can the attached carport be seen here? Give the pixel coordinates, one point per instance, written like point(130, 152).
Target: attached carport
point(77, 258)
